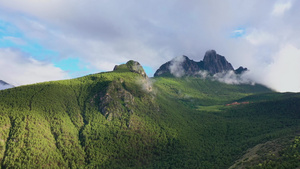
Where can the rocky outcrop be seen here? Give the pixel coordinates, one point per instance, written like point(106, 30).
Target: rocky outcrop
point(215, 63)
point(115, 101)
point(136, 67)
point(132, 66)
point(240, 70)
point(183, 66)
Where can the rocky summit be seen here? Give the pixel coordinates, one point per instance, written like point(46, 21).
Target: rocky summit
point(215, 63)
point(183, 66)
point(132, 66)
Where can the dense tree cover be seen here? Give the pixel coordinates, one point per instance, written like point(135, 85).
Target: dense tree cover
point(287, 158)
point(109, 120)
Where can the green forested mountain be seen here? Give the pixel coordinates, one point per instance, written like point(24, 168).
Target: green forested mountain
point(122, 119)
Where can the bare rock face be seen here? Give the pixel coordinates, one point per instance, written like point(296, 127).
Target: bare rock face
point(215, 63)
point(114, 101)
point(182, 66)
point(240, 70)
point(163, 70)
point(117, 99)
point(136, 67)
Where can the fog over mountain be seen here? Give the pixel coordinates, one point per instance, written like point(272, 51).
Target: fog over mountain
point(182, 65)
point(213, 67)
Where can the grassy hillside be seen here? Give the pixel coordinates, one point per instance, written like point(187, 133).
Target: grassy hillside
point(119, 120)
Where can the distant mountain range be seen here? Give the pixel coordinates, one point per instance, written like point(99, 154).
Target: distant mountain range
point(183, 66)
point(5, 85)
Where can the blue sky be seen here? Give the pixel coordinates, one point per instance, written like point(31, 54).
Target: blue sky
point(53, 40)
point(12, 37)
point(237, 33)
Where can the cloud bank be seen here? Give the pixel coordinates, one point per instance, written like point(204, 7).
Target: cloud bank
point(255, 34)
point(283, 73)
point(228, 77)
point(18, 69)
point(231, 78)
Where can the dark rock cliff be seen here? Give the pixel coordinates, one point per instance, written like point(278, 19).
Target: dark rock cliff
point(215, 63)
point(240, 70)
point(212, 63)
point(186, 65)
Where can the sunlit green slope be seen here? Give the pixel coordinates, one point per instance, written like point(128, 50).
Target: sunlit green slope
point(121, 119)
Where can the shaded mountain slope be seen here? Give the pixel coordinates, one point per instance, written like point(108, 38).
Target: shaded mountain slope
point(121, 119)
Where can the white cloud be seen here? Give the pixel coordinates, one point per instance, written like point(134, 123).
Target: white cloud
point(260, 37)
point(203, 74)
point(228, 77)
point(176, 66)
point(281, 7)
point(231, 78)
point(283, 73)
point(17, 69)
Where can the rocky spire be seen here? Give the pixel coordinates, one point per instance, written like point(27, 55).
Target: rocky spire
point(215, 63)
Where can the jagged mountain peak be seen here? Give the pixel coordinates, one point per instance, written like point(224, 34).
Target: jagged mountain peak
point(210, 53)
point(178, 66)
point(212, 63)
point(215, 63)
